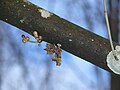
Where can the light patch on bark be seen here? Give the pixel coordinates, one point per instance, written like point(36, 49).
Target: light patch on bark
point(92, 40)
point(24, 5)
point(70, 40)
point(45, 13)
point(25, 0)
point(59, 45)
point(22, 20)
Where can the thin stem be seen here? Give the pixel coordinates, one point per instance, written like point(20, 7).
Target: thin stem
point(33, 42)
point(108, 28)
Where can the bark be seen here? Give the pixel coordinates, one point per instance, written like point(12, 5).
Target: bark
point(73, 38)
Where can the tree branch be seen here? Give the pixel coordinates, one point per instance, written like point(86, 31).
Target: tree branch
point(74, 39)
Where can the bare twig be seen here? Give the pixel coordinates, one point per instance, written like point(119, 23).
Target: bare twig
point(109, 33)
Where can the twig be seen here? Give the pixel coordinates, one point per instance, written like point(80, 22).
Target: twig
point(108, 28)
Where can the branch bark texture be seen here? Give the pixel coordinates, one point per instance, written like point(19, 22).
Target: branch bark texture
point(73, 38)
